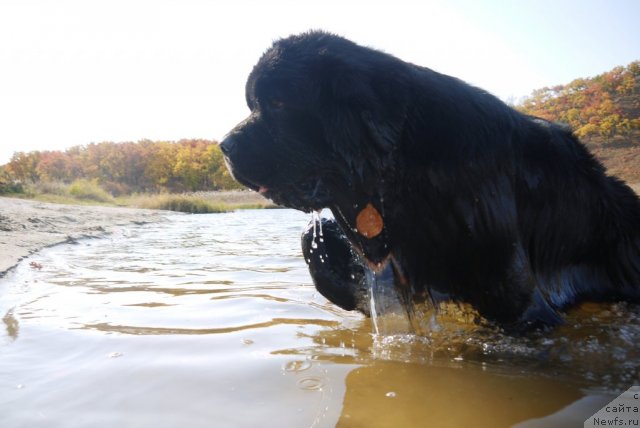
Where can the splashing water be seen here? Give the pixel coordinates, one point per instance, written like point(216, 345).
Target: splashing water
point(388, 315)
point(371, 281)
point(584, 348)
point(315, 219)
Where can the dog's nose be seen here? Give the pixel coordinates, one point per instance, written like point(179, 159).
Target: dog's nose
point(228, 146)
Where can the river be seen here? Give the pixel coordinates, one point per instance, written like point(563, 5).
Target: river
point(212, 321)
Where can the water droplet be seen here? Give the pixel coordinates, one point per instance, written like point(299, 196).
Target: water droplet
point(115, 355)
point(20, 386)
point(297, 366)
point(311, 383)
point(371, 279)
point(390, 394)
point(314, 219)
point(247, 342)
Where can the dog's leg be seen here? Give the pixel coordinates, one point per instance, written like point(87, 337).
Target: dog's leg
point(335, 269)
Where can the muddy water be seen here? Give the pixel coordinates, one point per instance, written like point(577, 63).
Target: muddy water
point(212, 321)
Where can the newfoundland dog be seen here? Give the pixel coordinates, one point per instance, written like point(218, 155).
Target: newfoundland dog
point(434, 184)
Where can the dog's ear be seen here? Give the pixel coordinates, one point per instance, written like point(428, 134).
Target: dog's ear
point(364, 112)
point(365, 132)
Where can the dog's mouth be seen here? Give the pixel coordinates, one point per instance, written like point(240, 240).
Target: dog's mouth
point(305, 196)
point(365, 226)
point(361, 218)
point(309, 194)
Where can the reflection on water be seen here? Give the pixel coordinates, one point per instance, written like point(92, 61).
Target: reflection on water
point(211, 320)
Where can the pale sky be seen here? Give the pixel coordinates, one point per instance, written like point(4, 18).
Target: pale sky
point(80, 71)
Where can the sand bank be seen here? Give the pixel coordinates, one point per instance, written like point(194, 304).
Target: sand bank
point(28, 226)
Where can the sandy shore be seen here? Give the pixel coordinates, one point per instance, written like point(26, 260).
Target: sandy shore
point(28, 226)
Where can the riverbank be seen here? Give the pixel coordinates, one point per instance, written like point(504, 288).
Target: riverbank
point(83, 192)
point(27, 226)
point(199, 202)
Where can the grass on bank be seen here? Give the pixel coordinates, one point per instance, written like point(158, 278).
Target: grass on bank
point(89, 190)
point(80, 192)
point(190, 203)
point(85, 192)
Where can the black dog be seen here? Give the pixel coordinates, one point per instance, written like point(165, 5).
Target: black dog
point(435, 182)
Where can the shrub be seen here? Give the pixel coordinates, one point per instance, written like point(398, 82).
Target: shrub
point(85, 189)
point(50, 188)
point(181, 203)
point(11, 187)
point(116, 189)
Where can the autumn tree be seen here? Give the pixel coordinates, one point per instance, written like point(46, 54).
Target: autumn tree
point(145, 166)
point(606, 106)
point(24, 166)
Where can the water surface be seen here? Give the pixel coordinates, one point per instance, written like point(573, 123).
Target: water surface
point(212, 321)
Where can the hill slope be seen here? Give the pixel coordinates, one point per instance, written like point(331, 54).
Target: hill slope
point(603, 111)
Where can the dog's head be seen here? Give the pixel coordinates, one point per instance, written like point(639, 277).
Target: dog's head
point(325, 124)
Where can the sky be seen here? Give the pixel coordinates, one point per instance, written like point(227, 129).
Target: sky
point(74, 72)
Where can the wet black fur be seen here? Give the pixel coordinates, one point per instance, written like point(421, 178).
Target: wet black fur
point(481, 204)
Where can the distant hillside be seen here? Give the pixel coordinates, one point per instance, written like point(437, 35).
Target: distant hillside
point(604, 111)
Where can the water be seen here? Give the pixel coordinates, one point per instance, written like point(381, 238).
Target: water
point(212, 321)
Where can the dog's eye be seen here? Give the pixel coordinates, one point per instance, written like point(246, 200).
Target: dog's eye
point(276, 104)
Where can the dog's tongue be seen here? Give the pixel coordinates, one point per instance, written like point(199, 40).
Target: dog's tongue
point(369, 222)
point(262, 190)
point(363, 223)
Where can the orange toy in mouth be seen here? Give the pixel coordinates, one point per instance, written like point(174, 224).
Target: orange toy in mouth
point(369, 222)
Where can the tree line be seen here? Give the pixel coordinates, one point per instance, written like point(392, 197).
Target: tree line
point(124, 168)
point(600, 109)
